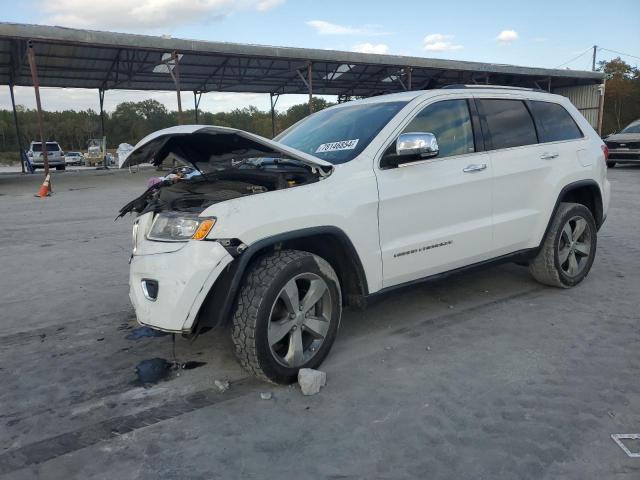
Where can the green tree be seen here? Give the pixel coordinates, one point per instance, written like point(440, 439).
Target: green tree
point(131, 121)
point(622, 94)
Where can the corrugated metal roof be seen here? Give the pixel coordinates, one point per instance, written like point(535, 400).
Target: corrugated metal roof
point(90, 59)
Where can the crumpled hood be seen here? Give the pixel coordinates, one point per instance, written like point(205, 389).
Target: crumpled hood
point(623, 137)
point(202, 144)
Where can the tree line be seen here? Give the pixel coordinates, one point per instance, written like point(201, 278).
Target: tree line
point(131, 121)
point(622, 95)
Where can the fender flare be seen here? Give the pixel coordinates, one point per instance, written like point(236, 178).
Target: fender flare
point(218, 305)
point(567, 188)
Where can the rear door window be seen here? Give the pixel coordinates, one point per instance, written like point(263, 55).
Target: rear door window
point(507, 123)
point(51, 147)
point(554, 122)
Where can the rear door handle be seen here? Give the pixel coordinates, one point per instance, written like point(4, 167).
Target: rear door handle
point(548, 155)
point(474, 167)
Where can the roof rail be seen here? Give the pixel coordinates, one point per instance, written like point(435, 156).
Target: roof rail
point(496, 87)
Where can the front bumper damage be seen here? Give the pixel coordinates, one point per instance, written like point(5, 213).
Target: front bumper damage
point(184, 278)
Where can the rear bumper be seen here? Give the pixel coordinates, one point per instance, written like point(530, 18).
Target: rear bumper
point(53, 162)
point(184, 278)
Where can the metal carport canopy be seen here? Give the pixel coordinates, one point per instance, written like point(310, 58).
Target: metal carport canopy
point(104, 60)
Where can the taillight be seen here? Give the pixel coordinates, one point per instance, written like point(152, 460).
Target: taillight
point(605, 150)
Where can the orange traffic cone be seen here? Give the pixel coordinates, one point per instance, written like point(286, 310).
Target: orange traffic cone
point(45, 188)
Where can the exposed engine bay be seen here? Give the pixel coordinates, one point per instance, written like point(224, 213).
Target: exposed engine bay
point(195, 194)
point(227, 163)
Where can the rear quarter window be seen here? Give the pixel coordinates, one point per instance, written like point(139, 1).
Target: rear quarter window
point(506, 123)
point(554, 122)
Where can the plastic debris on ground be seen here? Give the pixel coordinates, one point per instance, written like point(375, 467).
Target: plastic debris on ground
point(222, 385)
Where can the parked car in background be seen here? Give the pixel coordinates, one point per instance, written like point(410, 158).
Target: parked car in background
point(276, 236)
point(624, 146)
point(55, 155)
point(74, 158)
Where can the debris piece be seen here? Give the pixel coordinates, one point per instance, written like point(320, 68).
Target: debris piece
point(142, 332)
point(99, 339)
point(222, 385)
point(311, 380)
point(152, 370)
point(190, 365)
point(387, 348)
point(265, 395)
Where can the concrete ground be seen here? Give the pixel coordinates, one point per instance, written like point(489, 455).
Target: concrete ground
point(486, 375)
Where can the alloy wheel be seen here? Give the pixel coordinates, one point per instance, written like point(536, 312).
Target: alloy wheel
point(299, 320)
point(574, 246)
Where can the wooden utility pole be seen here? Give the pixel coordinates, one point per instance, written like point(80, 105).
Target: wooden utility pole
point(31, 56)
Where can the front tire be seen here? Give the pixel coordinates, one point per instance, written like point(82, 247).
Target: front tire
point(287, 315)
point(569, 248)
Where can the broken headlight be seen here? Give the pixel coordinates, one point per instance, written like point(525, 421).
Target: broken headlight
point(172, 227)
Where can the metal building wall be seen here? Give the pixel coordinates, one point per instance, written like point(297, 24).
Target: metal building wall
point(586, 99)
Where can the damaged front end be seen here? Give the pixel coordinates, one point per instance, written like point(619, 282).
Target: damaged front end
point(232, 163)
point(176, 279)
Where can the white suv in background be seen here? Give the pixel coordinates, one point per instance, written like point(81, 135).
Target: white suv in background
point(55, 155)
point(276, 236)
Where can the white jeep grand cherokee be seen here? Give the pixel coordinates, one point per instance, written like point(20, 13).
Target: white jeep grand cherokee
point(276, 236)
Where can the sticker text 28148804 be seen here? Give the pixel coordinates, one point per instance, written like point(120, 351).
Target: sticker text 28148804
point(341, 145)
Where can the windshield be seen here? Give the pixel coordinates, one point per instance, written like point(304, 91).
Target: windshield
point(338, 135)
point(633, 127)
point(51, 147)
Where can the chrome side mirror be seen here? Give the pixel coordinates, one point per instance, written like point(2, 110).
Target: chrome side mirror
point(416, 144)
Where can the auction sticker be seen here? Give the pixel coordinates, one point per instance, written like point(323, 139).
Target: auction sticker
point(335, 146)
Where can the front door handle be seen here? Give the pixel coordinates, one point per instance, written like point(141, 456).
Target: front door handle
point(474, 167)
point(548, 155)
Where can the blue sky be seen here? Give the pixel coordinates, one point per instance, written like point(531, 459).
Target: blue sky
point(541, 33)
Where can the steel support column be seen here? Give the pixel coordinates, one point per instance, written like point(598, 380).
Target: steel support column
point(310, 86)
point(175, 75)
point(273, 112)
point(31, 56)
point(15, 120)
point(408, 71)
point(197, 96)
point(102, 131)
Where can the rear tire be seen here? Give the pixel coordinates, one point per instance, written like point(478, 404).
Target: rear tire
point(568, 249)
point(287, 315)
point(61, 167)
point(611, 164)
